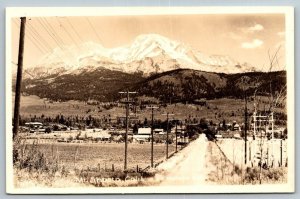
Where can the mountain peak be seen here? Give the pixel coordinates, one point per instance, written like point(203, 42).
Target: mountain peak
point(165, 55)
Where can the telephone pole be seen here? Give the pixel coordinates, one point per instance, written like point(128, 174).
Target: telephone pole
point(176, 135)
point(127, 102)
point(19, 78)
point(167, 149)
point(246, 125)
point(152, 124)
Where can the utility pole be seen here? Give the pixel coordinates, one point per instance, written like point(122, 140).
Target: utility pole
point(152, 124)
point(176, 135)
point(126, 133)
point(246, 124)
point(19, 78)
point(167, 149)
point(281, 137)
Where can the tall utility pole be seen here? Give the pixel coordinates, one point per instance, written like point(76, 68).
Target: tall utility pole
point(152, 124)
point(19, 78)
point(246, 124)
point(126, 133)
point(167, 149)
point(176, 135)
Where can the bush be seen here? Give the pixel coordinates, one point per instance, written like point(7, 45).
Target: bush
point(251, 175)
point(48, 130)
point(70, 138)
point(163, 138)
point(29, 157)
point(271, 175)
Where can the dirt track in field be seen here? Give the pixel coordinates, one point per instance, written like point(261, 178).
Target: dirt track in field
point(187, 167)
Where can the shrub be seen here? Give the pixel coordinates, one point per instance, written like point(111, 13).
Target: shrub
point(271, 175)
point(70, 138)
point(29, 157)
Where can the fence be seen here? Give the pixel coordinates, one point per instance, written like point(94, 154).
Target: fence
point(267, 153)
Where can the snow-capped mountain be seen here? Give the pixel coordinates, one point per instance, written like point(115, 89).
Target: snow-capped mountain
point(149, 53)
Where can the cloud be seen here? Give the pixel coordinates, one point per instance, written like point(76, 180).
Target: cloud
point(255, 28)
point(256, 43)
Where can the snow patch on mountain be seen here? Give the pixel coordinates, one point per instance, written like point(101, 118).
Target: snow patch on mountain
point(148, 53)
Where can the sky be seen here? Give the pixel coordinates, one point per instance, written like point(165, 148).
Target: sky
point(244, 37)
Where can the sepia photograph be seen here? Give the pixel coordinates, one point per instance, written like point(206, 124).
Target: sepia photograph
point(150, 100)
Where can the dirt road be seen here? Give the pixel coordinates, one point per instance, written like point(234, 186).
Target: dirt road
point(187, 167)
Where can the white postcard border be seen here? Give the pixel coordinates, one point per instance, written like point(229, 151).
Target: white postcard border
point(112, 11)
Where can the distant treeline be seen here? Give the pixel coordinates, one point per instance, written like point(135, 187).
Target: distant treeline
point(188, 86)
point(181, 85)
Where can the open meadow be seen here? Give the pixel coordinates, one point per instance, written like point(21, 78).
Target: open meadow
point(102, 155)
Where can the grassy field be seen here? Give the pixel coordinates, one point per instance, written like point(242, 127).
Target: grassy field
point(83, 155)
point(50, 164)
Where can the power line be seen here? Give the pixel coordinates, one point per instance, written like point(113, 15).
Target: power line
point(68, 33)
point(54, 32)
point(46, 29)
point(35, 43)
point(30, 32)
point(47, 45)
point(38, 41)
point(49, 32)
point(93, 28)
point(33, 40)
point(69, 22)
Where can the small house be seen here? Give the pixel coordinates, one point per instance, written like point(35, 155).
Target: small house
point(144, 131)
point(158, 131)
point(142, 135)
point(236, 127)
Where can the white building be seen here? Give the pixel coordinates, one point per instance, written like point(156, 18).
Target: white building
point(158, 131)
point(143, 134)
